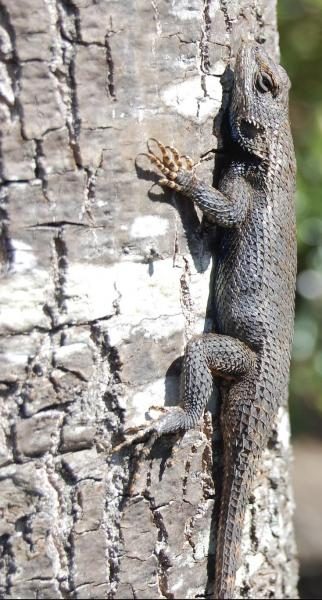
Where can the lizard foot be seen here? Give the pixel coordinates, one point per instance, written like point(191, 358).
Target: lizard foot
point(148, 435)
point(172, 421)
point(170, 163)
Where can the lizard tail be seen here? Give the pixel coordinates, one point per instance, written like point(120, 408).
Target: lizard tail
point(234, 498)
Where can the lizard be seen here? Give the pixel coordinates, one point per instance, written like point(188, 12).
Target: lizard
point(248, 355)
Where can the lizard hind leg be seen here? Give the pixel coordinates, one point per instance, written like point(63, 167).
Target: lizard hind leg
point(205, 356)
point(208, 355)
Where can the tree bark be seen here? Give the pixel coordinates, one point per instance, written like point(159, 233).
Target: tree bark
point(104, 280)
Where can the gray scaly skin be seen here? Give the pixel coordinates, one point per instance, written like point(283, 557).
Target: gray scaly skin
point(254, 284)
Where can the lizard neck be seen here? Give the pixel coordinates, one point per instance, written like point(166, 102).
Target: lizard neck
point(281, 165)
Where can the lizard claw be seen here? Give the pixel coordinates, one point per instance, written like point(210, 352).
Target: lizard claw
point(170, 422)
point(170, 163)
point(141, 435)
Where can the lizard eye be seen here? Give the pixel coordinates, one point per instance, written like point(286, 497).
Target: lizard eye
point(265, 83)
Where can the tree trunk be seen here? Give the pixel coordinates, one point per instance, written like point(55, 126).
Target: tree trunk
point(104, 280)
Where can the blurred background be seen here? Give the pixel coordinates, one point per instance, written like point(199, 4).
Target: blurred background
point(300, 26)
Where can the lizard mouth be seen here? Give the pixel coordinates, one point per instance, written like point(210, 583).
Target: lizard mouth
point(249, 129)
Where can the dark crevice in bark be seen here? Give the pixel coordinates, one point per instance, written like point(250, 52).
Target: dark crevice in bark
point(112, 525)
point(59, 406)
point(204, 41)
point(77, 374)
point(90, 191)
point(110, 72)
point(224, 7)
point(67, 474)
point(6, 183)
point(91, 185)
point(76, 119)
point(69, 548)
point(70, 12)
point(7, 388)
point(23, 526)
point(61, 264)
point(111, 402)
point(164, 562)
point(55, 328)
point(106, 350)
point(40, 169)
point(113, 392)
point(74, 124)
point(6, 246)
point(7, 564)
point(7, 251)
point(164, 565)
point(208, 457)
point(253, 528)
point(49, 312)
point(185, 479)
point(59, 225)
point(12, 437)
point(67, 12)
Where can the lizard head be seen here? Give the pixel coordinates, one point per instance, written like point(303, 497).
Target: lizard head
point(259, 103)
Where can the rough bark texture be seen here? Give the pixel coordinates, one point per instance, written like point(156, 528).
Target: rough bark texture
point(103, 283)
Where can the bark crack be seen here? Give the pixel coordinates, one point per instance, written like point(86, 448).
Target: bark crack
point(164, 562)
point(204, 40)
point(60, 270)
point(110, 84)
point(7, 562)
point(40, 168)
point(67, 12)
point(228, 22)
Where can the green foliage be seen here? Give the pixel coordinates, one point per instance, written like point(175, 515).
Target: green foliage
point(300, 26)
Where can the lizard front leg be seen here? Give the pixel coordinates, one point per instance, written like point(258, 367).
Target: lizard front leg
point(179, 174)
